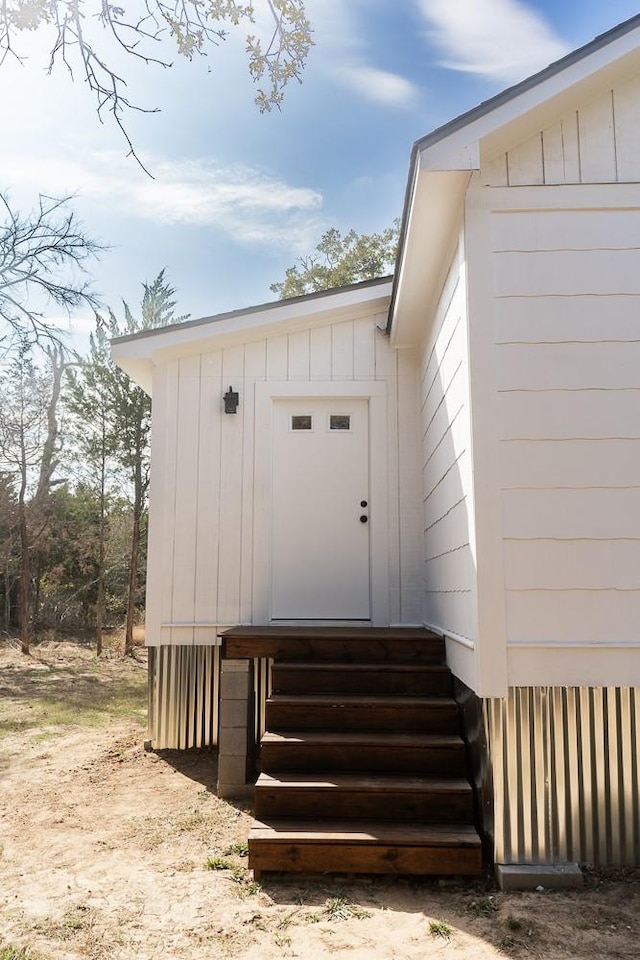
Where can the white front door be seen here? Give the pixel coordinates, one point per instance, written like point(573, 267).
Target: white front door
point(320, 516)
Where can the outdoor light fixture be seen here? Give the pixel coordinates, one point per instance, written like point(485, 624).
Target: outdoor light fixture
point(231, 400)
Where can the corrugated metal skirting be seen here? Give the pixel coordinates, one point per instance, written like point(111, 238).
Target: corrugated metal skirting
point(566, 775)
point(184, 684)
point(184, 693)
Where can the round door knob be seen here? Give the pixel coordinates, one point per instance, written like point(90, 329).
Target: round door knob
point(364, 518)
point(363, 503)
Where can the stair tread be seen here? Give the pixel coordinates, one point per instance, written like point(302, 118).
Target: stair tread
point(333, 633)
point(380, 738)
point(366, 700)
point(365, 832)
point(346, 666)
point(366, 782)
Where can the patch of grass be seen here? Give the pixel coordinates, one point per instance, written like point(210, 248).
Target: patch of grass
point(217, 863)
point(86, 695)
point(509, 944)
point(440, 928)
point(287, 919)
point(483, 907)
point(15, 953)
point(240, 848)
point(11, 726)
point(253, 888)
point(76, 919)
point(152, 832)
point(513, 923)
point(339, 908)
point(336, 908)
point(282, 940)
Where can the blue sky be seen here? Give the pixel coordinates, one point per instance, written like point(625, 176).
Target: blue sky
point(238, 196)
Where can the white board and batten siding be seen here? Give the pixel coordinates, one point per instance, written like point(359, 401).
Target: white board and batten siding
point(564, 268)
point(596, 143)
point(447, 490)
point(203, 495)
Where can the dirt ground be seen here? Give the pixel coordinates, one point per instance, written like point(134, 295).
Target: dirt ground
point(110, 852)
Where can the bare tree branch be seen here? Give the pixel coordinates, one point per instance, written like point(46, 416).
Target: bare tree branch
point(43, 257)
point(193, 27)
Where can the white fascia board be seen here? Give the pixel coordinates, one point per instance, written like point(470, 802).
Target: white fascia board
point(618, 58)
point(139, 353)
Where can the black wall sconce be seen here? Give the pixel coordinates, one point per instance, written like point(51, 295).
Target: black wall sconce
point(231, 401)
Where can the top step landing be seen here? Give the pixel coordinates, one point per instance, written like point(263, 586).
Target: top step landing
point(357, 644)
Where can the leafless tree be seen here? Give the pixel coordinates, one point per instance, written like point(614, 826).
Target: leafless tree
point(43, 257)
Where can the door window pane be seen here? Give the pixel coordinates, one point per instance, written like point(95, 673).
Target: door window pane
point(339, 421)
point(301, 422)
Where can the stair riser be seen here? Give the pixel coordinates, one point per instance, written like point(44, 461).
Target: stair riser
point(428, 760)
point(305, 716)
point(310, 803)
point(367, 682)
point(363, 858)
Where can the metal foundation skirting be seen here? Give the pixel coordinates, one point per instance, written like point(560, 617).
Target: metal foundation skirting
point(183, 696)
point(184, 688)
point(566, 775)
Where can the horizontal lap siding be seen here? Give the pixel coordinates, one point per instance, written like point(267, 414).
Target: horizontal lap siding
point(450, 575)
point(201, 528)
point(597, 143)
point(566, 294)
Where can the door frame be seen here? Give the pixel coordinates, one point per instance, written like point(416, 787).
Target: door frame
point(266, 392)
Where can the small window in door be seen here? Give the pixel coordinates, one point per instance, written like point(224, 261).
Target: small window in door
point(339, 421)
point(302, 422)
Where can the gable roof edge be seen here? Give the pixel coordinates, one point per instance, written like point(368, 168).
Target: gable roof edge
point(483, 109)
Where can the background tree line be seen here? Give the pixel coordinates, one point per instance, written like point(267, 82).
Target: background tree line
point(74, 476)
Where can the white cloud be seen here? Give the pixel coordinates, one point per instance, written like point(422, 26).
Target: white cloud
point(502, 39)
point(381, 87)
point(342, 53)
point(245, 203)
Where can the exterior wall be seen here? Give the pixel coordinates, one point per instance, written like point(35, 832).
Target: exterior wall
point(597, 143)
point(203, 472)
point(566, 775)
point(556, 317)
point(450, 605)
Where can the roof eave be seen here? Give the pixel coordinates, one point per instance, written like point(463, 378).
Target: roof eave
point(139, 353)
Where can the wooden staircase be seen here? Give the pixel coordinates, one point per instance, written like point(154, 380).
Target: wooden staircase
point(363, 769)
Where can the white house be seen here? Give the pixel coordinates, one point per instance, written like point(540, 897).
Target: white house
point(457, 448)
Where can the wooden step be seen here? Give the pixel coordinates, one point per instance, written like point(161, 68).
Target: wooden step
point(364, 847)
point(363, 768)
point(364, 797)
point(392, 679)
point(286, 711)
point(422, 754)
point(349, 644)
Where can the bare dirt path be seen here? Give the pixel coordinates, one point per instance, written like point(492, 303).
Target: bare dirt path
point(110, 852)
